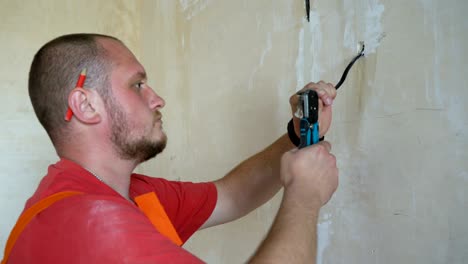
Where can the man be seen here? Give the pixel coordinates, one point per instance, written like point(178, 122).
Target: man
point(117, 125)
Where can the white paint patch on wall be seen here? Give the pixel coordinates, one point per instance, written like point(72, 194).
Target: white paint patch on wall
point(373, 32)
point(362, 22)
point(349, 37)
point(300, 60)
point(324, 231)
point(312, 39)
point(367, 24)
point(437, 95)
point(266, 50)
point(437, 30)
point(192, 7)
point(285, 23)
point(315, 45)
point(257, 68)
point(310, 45)
point(187, 3)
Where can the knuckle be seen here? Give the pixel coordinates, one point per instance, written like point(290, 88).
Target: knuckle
point(325, 144)
point(321, 149)
point(287, 155)
point(293, 100)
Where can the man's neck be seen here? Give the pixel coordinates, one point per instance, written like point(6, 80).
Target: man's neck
point(111, 170)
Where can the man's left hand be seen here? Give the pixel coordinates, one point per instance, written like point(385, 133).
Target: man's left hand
point(326, 93)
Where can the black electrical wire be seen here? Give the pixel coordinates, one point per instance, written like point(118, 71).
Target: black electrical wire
point(345, 73)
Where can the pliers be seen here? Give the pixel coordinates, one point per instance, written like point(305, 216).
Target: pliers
point(309, 125)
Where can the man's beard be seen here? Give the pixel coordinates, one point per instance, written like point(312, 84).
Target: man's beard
point(141, 149)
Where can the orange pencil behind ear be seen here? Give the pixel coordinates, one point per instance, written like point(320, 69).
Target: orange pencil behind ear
point(79, 84)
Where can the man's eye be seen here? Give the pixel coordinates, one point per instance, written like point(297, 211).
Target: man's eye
point(140, 85)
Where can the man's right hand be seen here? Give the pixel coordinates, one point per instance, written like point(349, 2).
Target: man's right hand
point(310, 173)
point(310, 177)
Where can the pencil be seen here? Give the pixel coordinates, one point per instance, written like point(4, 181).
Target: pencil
point(79, 84)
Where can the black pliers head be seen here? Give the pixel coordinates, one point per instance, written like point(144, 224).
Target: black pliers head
point(309, 125)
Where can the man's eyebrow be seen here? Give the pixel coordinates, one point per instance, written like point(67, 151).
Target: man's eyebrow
point(138, 75)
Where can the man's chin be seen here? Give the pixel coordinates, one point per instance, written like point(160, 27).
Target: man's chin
point(156, 147)
point(161, 141)
point(150, 151)
point(144, 150)
point(162, 144)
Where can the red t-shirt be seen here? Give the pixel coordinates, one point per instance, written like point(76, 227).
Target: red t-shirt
point(101, 226)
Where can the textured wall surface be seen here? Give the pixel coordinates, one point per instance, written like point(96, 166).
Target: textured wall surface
point(226, 70)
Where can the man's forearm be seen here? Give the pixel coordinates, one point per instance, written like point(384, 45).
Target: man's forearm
point(251, 183)
point(293, 235)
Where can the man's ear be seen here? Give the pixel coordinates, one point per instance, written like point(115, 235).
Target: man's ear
point(81, 103)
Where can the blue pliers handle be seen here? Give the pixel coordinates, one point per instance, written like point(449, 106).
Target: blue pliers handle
point(309, 133)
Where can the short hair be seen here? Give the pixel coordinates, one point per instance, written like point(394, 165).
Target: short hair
point(54, 72)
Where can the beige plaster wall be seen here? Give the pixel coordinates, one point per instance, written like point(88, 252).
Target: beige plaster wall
point(226, 70)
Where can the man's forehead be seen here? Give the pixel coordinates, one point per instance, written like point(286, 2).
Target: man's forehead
point(111, 44)
point(122, 59)
point(117, 51)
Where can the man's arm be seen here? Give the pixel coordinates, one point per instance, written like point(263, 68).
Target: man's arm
point(250, 184)
point(257, 179)
point(310, 177)
point(292, 238)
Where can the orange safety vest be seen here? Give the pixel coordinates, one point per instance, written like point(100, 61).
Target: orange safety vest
point(148, 203)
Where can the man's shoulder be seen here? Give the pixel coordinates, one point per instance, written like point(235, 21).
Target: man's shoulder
point(88, 209)
point(86, 217)
point(97, 213)
point(141, 184)
point(97, 228)
point(68, 180)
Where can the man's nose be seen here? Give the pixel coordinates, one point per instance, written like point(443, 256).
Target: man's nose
point(155, 101)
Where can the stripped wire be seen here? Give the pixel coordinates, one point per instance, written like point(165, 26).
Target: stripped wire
point(345, 73)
